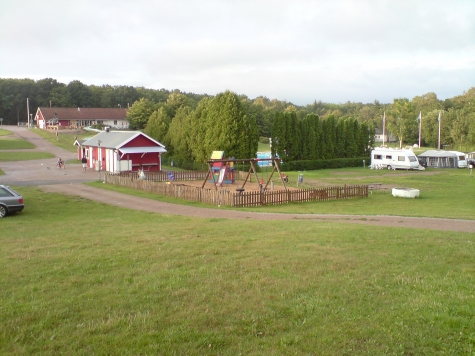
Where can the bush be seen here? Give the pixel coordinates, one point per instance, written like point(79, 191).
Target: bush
point(186, 165)
point(324, 164)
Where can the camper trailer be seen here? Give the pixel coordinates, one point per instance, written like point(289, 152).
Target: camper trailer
point(394, 158)
point(461, 159)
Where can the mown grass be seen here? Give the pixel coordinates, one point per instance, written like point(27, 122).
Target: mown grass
point(445, 193)
point(7, 143)
point(64, 139)
point(4, 132)
point(23, 156)
point(80, 277)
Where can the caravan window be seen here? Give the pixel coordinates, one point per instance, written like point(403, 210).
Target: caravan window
point(378, 157)
point(412, 158)
point(389, 157)
point(401, 158)
point(461, 158)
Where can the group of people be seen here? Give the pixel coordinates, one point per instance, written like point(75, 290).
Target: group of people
point(60, 163)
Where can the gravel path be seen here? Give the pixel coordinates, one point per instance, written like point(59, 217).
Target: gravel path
point(68, 181)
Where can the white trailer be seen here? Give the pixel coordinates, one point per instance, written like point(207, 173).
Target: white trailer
point(461, 159)
point(394, 158)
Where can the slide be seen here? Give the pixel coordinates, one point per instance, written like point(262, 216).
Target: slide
point(222, 174)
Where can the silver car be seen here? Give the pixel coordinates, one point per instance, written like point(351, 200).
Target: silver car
point(10, 201)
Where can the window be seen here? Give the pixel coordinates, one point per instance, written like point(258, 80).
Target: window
point(115, 122)
point(389, 157)
point(412, 159)
point(5, 193)
point(401, 158)
point(378, 157)
point(461, 158)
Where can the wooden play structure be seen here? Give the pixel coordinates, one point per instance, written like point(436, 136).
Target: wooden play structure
point(222, 171)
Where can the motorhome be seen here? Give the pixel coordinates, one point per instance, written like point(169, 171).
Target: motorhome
point(394, 158)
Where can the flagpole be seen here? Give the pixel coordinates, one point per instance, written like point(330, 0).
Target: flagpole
point(420, 127)
point(439, 131)
point(384, 126)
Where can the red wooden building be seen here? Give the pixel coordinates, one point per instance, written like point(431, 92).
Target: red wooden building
point(62, 118)
point(121, 151)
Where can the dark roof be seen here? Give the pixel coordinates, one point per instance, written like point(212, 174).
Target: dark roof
point(84, 113)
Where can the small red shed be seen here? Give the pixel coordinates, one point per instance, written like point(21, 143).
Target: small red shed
point(121, 151)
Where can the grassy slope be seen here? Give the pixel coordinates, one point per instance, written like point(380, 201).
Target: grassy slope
point(444, 193)
point(81, 277)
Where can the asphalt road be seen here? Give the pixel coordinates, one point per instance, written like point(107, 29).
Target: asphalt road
point(69, 181)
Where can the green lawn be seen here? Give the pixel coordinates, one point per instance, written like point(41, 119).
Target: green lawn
point(23, 156)
point(4, 132)
point(64, 139)
point(445, 193)
point(81, 277)
point(7, 143)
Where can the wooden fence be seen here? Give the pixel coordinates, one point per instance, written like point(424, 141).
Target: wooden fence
point(232, 198)
point(162, 176)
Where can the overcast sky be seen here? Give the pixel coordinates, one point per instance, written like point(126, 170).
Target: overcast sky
point(300, 51)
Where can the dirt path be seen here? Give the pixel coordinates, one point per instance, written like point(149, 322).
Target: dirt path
point(42, 173)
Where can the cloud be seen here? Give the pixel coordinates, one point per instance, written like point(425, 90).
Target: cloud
point(330, 50)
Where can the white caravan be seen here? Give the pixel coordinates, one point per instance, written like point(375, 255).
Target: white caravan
point(461, 159)
point(394, 158)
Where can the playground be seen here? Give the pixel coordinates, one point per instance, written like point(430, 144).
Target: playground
point(224, 173)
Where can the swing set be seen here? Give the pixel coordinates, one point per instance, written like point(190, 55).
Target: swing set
point(217, 180)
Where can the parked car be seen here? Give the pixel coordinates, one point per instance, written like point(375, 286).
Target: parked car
point(10, 201)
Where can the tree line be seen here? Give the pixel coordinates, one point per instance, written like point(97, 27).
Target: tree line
point(314, 139)
point(457, 113)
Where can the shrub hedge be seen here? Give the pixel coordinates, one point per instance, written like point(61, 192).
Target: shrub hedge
point(307, 165)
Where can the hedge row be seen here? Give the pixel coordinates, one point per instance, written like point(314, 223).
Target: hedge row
point(324, 164)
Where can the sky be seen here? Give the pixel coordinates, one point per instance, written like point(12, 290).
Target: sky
point(298, 51)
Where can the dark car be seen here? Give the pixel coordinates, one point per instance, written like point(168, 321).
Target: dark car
point(10, 201)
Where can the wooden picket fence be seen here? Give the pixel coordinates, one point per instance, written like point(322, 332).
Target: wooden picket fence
point(225, 197)
point(162, 176)
point(276, 197)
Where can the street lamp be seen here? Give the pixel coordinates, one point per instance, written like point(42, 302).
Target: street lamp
point(99, 157)
point(438, 145)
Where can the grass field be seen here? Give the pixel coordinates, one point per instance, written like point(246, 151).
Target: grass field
point(80, 277)
point(445, 193)
point(64, 139)
point(85, 278)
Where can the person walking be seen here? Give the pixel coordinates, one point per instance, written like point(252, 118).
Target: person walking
point(84, 163)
